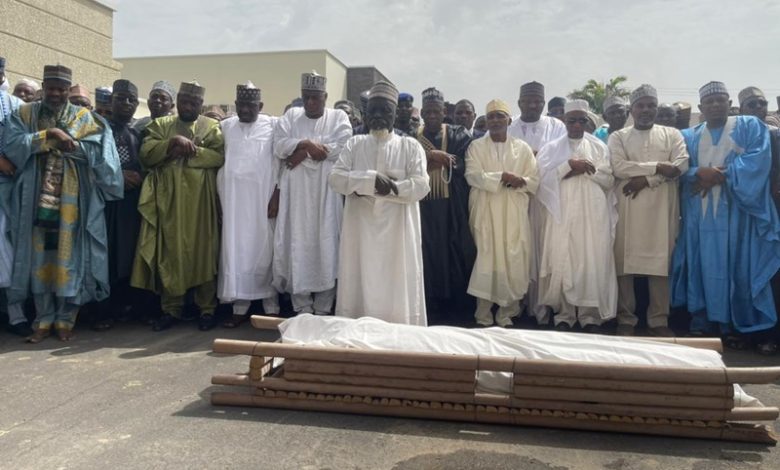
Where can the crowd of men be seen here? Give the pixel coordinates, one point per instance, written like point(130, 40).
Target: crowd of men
point(427, 216)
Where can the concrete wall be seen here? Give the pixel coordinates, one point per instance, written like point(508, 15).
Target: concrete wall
point(360, 79)
point(74, 33)
point(277, 74)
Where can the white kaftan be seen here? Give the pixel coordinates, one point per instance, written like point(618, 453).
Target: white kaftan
point(648, 223)
point(380, 265)
point(306, 240)
point(537, 134)
point(245, 185)
point(577, 265)
point(498, 218)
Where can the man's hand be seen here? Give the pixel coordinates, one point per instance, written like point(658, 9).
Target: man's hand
point(634, 186)
point(667, 170)
point(439, 159)
point(707, 178)
point(132, 178)
point(6, 167)
point(511, 181)
point(317, 152)
point(579, 167)
point(64, 142)
point(296, 158)
point(384, 184)
point(273, 204)
point(180, 147)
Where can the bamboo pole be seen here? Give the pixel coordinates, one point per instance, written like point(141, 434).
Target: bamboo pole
point(387, 382)
point(368, 370)
point(705, 390)
point(626, 398)
point(713, 344)
point(289, 386)
point(734, 432)
point(262, 322)
point(609, 371)
point(332, 354)
point(239, 380)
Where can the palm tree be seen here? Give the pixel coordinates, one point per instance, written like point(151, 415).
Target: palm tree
point(595, 92)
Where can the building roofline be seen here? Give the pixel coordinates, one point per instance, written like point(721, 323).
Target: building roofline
point(190, 56)
point(110, 4)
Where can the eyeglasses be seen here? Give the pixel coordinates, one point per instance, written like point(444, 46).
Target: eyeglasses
point(757, 104)
point(572, 121)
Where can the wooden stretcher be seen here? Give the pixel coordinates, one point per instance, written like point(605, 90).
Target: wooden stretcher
point(637, 399)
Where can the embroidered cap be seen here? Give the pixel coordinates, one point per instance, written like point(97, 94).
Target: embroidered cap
point(192, 88)
point(432, 95)
point(103, 95)
point(497, 105)
point(644, 91)
point(384, 90)
point(532, 89)
point(248, 92)
point(713, 88)
point(125, 86)
point(166, 88)
point(750, 92)
point(313, 81)
point(57, 72)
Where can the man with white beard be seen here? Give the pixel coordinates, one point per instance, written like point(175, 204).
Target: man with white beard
point(383, 176)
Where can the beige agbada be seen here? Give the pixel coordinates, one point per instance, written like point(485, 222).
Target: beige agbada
point(498, 218)
point(648, 224)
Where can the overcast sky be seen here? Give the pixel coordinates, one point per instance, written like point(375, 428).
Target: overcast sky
point(484, 49)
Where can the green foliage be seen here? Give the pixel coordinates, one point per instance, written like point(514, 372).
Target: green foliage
point(595, 92)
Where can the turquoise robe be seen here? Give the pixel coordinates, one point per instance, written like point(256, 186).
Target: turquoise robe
point(724, 259)
point(81, 273)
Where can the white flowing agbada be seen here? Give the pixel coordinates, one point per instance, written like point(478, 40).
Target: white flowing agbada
point(537, 134)
point(245, 185)
point(577, 264)
point(306, 240)
point(647, 224)
point(498, 218)
point(380, 266)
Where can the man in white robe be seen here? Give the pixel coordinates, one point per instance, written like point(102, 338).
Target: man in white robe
point(247, 192)
point(536, 131)
point(383, 176)
point(501, 171)
point(646, 159)
point(309, 140)
point(577, 268)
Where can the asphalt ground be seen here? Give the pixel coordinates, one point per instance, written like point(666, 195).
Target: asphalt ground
point(132, 398)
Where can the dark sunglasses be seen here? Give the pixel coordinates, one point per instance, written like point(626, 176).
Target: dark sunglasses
point(573, 121)
point(757, 104)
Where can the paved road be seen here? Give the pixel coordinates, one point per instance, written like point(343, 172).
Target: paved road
point(134, 399)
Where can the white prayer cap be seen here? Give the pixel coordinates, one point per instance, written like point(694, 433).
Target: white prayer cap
point(613, 100)
point(313, 81)
point(384, 90)
point(644, 91)
point(576, 105)
point(30, 83)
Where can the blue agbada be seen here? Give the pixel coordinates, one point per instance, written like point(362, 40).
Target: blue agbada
point(92, 174)
point(728, 250)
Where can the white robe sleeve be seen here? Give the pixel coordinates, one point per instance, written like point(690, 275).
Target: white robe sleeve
point(416, 185)
point(603, 175)
point(344, 180)
point(530, 175)
point(284, 143)
point(476, 175)
point(339, 136)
